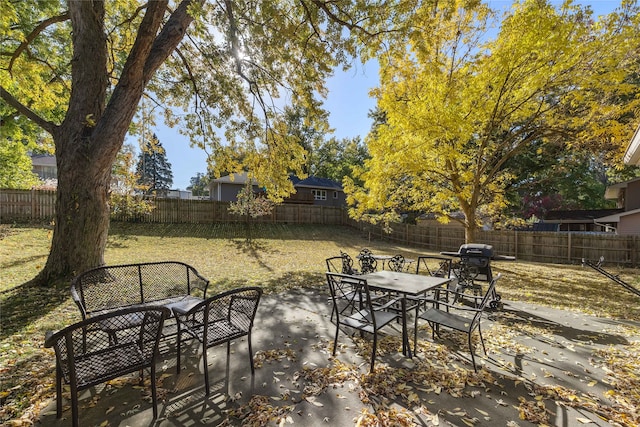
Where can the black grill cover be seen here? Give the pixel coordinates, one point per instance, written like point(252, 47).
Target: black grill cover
point(476, 250)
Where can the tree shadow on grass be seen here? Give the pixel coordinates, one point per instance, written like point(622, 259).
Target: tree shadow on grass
point(26, 303)
point(232, 230)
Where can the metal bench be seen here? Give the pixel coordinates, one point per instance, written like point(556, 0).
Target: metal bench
point(169, 284)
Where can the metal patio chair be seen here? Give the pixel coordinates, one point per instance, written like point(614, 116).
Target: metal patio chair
point(434, 265)
point(217, 320)
point(368, 264)
point(397, 263)
point(355, 308)
point(87, 354)
point(458, 317)
point(342, 263)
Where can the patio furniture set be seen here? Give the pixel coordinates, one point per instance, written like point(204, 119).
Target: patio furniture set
point(129, 310)
point(367, 300)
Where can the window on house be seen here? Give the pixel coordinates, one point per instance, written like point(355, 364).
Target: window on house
point(319, 194)
point(335, 194)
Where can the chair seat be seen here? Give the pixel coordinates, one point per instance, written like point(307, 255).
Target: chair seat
point(451, 320)
point(121, 323)
point(183, 304)
point(362, 320)
point(114, 362)
point(219, 331)
point(219, 319)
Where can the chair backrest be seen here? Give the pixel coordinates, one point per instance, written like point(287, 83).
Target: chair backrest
point(341, 264)
point(334, 264)
point(237, 306)
point(347, 264)
point(365, 251)
point(434, 265)
point(396, 263)
point(485, 300)
point(350, 294)
point(118, 286)
point(368, 264)
point(109, 345)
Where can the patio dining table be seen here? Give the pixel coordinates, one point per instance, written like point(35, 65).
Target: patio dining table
point(405, 285)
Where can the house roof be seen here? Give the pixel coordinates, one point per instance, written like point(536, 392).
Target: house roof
point(616, 217)
point(579, 215)
point(310, 182)
point(613, 191)
point(43, 160)
point(316, 182)
point(238, 178)
point(632, 155)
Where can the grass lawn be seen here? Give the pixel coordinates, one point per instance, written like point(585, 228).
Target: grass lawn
point(279, 257)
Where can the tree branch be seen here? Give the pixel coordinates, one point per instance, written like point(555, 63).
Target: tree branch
point(323, 6)
point(25, 111)
point(171, 35)
point(31, 37)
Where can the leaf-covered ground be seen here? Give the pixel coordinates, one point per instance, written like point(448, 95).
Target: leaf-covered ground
point(536, 371)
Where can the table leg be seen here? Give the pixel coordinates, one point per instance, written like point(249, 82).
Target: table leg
point(406, 348)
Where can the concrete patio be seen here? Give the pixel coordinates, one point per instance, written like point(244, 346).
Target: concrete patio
point(532, 351)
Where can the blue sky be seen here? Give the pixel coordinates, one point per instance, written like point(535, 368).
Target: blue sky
point(348, 103)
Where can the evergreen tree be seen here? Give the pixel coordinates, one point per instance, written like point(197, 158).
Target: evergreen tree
point(153, 169)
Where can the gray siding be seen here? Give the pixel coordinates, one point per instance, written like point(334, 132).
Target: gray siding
point(629, 225)
point(632, 197)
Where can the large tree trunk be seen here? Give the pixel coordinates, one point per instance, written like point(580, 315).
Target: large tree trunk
point(81, 222)
point(470, 224)
point(92, 133)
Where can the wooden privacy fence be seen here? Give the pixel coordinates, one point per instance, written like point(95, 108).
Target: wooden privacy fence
point(38, 206)
point(546, 247)
point(27, 205)
point(209, 211)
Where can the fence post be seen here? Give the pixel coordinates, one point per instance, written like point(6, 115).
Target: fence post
point(33, 204)
point(569, 247)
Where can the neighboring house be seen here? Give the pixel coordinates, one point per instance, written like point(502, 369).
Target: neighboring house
point(319, 191)
point(627, 194)
point(632, 155)
point(627, 197)
point(226, 188)
point(312, 190)
point(581, 220)
point(44, 165)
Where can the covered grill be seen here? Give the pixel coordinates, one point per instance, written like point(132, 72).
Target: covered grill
point(477, 256)
point(474, 266)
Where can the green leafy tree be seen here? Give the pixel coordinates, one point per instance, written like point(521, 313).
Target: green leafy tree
point(457, 105)
point(337, 158)
point(199, 184)
point(126, 198)
point(551, 176)
point(78, 70)
point(153, 169)
point(309, 133)
point(250, 204)
point(15, 166)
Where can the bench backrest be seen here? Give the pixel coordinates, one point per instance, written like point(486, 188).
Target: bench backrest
point(116, 286)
